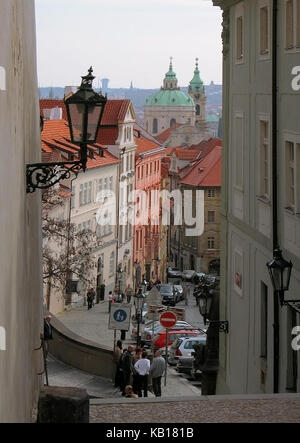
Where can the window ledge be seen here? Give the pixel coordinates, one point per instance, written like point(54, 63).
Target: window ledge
point(290, 210)
point(264, 199)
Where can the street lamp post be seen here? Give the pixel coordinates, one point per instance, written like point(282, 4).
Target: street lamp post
point(119, 274)
point(139, 303)
point(84, 109)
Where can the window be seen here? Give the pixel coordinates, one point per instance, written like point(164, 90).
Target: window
point(291, 150)
point(292, 24)
point(240, 37)
point(211, 216)
point(211, 243)
point(111, 183)
point(150, 168)
point(142, 171)
point(138, 173)
point(85, 193)
point(112, 263)
point(289, 24)
point(264, 321)
point(238, 151)
point(211, 193)
point(155, 126)
point(197, 109)
point(131, 161)
point(172, 123)
point(106, 183)
point(147, 170)
point(264, 30)
point(264, 190)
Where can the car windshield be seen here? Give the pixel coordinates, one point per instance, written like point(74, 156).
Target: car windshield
point(166, 288)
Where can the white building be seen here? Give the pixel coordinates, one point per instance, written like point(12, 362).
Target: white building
point(116, 132)
point(247, 359)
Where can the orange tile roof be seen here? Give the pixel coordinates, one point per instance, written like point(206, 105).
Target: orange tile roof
point(56, 137)
point(50, 103)
point(107, 135)
point(164, 135)
point(114, 111)
point(144, 145)
point(207, 171)
point(186, 154)
point(207, 145)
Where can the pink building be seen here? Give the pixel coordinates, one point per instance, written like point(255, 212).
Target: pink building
point(147, 217)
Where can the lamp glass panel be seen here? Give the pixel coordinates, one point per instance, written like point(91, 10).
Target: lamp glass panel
point(277, 278)
point(76, 111)
point(286, 278)
point(94, 114)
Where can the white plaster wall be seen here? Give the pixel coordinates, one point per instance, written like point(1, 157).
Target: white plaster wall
point(20, 234)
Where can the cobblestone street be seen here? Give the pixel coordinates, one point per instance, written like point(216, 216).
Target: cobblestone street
point(270, 409)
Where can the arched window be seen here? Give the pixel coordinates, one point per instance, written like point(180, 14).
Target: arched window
point(197, 109)
point(172, 123)
point(155, 126)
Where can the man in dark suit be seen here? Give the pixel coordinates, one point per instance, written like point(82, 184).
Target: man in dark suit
point(47, 328)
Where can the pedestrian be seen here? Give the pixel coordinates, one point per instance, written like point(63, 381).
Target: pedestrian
point(129, 293)
point(135, 377)
point(47, 334)
point(142, 367)
point(185, 294)
point(129, 392)
point(126, 367)
point(90, 297)
point(123, 334)
point(110, 300)
point(157, 370)
point(118, 351)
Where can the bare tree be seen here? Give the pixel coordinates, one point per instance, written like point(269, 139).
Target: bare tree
point(67, 251)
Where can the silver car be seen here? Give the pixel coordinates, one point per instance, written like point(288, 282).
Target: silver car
point(184, 346)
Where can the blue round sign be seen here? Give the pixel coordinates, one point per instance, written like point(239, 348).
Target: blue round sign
point(120, 315)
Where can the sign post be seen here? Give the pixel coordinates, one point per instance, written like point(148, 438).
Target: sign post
point(167, 319)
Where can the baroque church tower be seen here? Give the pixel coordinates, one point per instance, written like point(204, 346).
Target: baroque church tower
point(196, 91)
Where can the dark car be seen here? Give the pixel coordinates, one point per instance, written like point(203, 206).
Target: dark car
point(168, 295)
point(173, 273)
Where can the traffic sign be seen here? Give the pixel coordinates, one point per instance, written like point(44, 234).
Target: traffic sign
point(168, 319)
point(120, 316)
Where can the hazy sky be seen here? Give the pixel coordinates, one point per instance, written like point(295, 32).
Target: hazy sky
point(127, 40)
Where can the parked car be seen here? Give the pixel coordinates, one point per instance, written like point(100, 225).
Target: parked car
point(168, 295)
point(179, 290)
point(157, 327)
point(173, 273)
point(183, 347)
point(159, 340)
point(189, 275)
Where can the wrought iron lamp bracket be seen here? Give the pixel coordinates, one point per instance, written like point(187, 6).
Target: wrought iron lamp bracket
point(46, 175)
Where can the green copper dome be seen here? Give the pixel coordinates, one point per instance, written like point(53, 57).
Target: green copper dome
point(170, 94)
point(196, 84)
point(169, 97)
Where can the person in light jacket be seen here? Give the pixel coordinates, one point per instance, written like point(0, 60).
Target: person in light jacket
point(157, 370)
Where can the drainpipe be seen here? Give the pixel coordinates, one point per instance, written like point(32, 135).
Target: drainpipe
point(275, 187)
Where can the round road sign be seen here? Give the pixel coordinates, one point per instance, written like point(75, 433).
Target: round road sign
point(168, 319)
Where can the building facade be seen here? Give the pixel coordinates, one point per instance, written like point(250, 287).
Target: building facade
point(20, 236)
point(261, 105)
point(147, 228)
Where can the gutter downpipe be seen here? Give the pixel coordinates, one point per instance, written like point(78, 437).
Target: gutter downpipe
point(275, 188)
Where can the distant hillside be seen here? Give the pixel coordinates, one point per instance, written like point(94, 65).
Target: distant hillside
point(138, 96)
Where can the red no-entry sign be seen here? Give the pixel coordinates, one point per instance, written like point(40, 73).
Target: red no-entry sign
point(168, 319)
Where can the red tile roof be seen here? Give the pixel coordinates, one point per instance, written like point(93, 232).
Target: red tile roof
point(186, 154)
point(207, 146)
point(144, 145)
point(107, 135)
point(114, 111)
point(207, 171)
point(50, 103)
point(163, 136)
point(55, 137)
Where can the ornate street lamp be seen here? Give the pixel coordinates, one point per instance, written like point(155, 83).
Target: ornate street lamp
point(205, 304)
point(85, 109)
point(280, 273)
point(139, 299)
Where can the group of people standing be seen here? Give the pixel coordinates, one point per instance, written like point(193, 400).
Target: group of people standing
point(132, 370)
